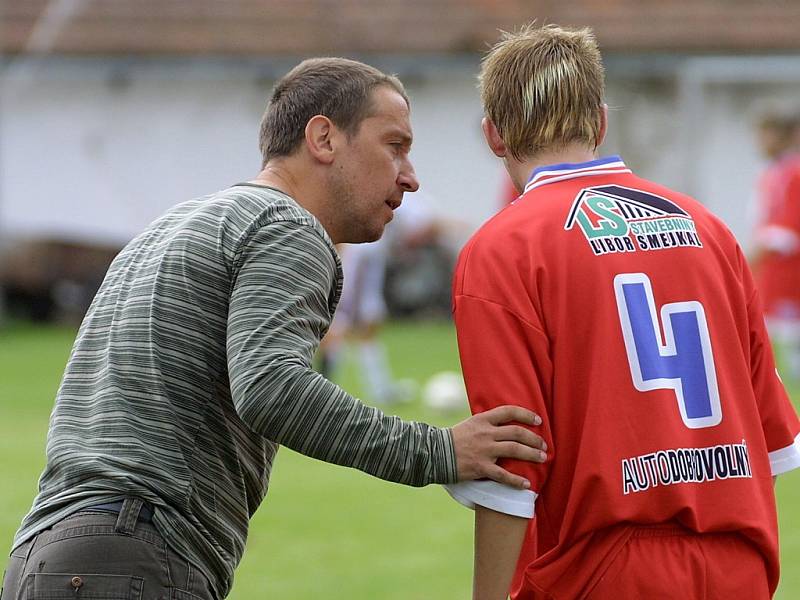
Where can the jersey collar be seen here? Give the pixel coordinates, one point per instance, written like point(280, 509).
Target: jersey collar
point(560, 172)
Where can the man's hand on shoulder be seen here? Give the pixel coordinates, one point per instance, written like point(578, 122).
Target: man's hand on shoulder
point(484, 438)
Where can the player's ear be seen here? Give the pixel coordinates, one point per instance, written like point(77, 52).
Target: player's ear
point(603, 128)
point(319, 136)
point(493, 139)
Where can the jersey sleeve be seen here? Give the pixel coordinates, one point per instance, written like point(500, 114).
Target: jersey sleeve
point(778, 417)
point(505, 360)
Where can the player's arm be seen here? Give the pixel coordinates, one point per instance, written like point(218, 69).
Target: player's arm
point(279, 308)
point(779, 421)
point(498, 540)
point(499, 357)
point(505, 358)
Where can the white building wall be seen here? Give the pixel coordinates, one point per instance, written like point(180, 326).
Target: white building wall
point(99, 157)
point(97, 150)
point(455, 167)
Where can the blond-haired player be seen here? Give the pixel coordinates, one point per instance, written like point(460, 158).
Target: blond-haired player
point(625, 314)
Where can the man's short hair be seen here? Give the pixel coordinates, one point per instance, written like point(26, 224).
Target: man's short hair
point(543, 87)
point(337, 88)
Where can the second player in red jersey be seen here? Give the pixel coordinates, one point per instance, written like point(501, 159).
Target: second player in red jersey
point(777, 236)
point(624, 313)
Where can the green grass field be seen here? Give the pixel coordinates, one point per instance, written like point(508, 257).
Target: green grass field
point(323, 531)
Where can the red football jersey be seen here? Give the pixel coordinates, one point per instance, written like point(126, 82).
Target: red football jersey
point(778, 271)
point(625, 315)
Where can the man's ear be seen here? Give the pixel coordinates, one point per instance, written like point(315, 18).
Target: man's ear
point(320, 132)
point(493, 139)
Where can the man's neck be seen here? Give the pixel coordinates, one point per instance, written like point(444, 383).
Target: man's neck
point(279, 177)
point(307, 191)
point(520, 171)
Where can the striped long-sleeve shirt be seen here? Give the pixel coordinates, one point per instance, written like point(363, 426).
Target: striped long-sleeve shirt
point(194, 363)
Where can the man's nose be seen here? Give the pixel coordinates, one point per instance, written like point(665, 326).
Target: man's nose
point(408, 179)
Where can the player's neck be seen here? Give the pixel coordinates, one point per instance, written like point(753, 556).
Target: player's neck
point(520, 171)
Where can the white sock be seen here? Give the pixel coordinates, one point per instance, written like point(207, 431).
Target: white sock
point(376, 375)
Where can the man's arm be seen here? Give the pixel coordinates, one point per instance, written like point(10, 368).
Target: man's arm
point(498, 540)
point(279, 310)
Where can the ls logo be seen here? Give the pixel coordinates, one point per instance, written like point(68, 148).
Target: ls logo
point(684, 363)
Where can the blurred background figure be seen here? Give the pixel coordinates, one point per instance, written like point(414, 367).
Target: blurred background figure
point(422, 251)
point(360, 315)
point(776, 252)
point(405, 273)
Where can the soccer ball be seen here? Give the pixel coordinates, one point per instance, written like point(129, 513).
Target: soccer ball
point(445, 391)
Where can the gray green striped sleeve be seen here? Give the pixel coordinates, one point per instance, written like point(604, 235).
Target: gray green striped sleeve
point(280, 307)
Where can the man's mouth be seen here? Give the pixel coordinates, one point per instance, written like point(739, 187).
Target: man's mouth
point(394, 204)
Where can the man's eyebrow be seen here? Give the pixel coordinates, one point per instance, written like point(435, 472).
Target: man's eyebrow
point(405, 137)
point(398, 132)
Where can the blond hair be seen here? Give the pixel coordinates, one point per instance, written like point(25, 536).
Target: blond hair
point(543, 87)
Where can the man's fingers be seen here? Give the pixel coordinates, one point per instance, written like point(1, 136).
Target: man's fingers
point(500, 475)
point(519, 451)
point(504, 414)
point(515, 433)
point(481, 440)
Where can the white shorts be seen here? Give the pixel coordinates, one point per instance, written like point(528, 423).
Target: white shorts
point(362, 301)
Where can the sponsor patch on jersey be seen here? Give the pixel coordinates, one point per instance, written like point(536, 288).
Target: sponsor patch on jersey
point(685, 465)
point(616, 219)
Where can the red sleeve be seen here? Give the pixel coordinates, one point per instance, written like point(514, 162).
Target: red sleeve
point(505, 354)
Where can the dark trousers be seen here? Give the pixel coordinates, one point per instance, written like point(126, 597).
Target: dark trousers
point(105, 556)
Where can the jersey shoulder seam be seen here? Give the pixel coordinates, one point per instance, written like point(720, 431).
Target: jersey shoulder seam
point(505, 308)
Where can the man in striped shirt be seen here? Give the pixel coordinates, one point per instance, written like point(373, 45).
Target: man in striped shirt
point(193, 363)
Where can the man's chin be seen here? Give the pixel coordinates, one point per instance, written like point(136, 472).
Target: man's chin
point(374, 236)
point(365, 235)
